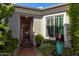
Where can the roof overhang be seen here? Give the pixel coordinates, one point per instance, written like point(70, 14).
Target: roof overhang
point(44, 11)
point(38, 9)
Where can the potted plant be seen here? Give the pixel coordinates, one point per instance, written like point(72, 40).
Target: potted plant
point(39, 38)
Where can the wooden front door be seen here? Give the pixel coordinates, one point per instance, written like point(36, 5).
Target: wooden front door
point(26, 30)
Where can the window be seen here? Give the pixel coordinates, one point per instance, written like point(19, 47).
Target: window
point(54, 24)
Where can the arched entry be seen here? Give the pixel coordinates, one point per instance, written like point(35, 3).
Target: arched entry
point(26, 30)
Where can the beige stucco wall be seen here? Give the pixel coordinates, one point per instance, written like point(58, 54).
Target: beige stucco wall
point(14, 25)
point(68, 37)
point(37, 25)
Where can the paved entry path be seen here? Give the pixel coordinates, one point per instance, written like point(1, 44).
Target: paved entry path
point(26, 52)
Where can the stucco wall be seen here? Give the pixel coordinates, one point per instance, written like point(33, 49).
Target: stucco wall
point(68, 37)
point(37, 25)
point(14, 25)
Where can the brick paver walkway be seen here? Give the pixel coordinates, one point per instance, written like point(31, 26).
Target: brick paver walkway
point(26, 52)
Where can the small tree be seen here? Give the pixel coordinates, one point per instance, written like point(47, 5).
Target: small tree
point(73, 13)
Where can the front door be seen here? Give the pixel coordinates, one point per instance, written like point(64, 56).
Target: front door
point(26, 30)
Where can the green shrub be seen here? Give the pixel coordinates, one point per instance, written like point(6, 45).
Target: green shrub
point(39, 39)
